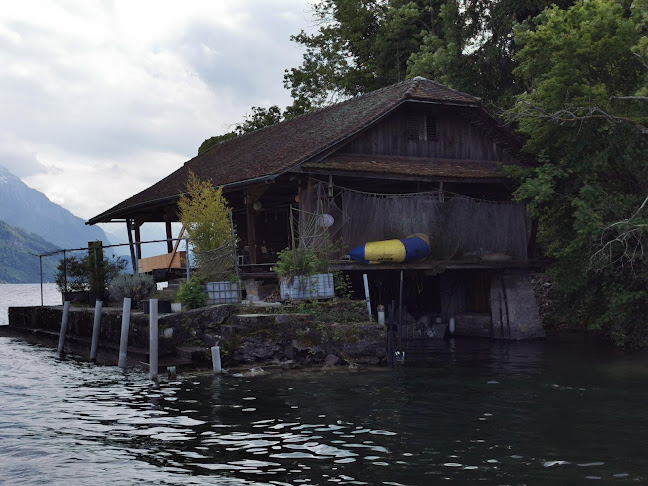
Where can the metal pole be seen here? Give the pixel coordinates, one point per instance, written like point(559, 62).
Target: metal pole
point(64, 324)
point(153, 339)
point(95, 330)
point(400, 304)
point(40, 262)
point(123, 340)
point(187, 243)
point(65, 287)
point(367, 297)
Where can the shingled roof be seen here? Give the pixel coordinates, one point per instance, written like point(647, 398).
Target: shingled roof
point(271, 151)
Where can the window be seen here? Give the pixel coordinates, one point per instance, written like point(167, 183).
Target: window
point(430, 128)
point(413, 129)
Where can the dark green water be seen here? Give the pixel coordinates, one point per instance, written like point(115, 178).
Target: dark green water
point(534, 413)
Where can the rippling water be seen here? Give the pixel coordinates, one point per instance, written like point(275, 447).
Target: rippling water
point(501, 414)
point(520, 413)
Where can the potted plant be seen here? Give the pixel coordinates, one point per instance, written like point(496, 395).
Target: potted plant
point(207, 218)
point(303, 274)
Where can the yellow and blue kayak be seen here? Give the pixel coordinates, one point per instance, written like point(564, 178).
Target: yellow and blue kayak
point(414, 247)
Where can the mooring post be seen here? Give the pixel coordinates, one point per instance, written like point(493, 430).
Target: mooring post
point(153, 339)
point(367, 297)
point(95, 331)
point(64, 324)
point(216, 359)
point(123, 340)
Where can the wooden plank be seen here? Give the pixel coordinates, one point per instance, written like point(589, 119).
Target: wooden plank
point(168, 260)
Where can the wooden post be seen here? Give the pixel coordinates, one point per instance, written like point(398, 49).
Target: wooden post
point(138, 239)
point(123, 339)
point(64, 324)
point(153, 339)
point(251, 232)
point(95, 330)
point(129, 225)
point(169, 235)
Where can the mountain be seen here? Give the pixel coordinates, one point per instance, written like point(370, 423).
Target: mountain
point(32, 211)
point(18, 263)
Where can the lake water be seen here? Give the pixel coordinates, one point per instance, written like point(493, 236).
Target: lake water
point(517, 413)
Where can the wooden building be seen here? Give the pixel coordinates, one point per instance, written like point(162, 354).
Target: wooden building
point(415, 155)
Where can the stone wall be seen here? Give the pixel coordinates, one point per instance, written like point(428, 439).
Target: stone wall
point(292, 339)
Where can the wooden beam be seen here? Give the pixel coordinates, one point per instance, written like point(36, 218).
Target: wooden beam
point(138, 241)
point(251, 231)
point(129, 223)
point(169, 235)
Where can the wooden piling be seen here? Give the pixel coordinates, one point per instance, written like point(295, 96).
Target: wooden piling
point(153, 339)
point(64, 324)
point(123, 339)
point(95, 331)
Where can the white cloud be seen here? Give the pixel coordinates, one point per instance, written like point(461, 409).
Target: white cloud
point(101, 99)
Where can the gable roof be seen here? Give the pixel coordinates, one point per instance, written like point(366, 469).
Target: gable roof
point(271, 151)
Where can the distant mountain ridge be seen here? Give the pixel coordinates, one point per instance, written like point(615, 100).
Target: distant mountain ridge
point(19, 262)
point(31, 210)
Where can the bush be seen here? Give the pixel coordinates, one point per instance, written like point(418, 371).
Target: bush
point(137, 287)
point(73, 273)
point(299, 261)
point(192, 294)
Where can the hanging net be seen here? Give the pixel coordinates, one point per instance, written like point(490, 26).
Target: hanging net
point(218, 264)
point(458, 228)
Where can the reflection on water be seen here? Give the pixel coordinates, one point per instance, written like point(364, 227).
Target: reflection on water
point(503, 414)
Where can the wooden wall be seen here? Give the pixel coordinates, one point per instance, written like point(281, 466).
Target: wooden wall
point(428, 131)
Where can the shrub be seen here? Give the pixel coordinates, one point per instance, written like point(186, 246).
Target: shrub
point(192, 294)
point(137, 287)
point(73, 273)
point(299, 261)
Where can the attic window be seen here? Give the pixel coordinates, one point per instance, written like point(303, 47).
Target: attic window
point(414, 131)
point(430, 128)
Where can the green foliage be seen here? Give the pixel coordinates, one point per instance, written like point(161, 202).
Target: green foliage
point(205, 215)
point(342, 285)
point(587, 128)
point(137, 287)
point(299, 261)
point(192, 294)
point(365, 45)
point(73, 273)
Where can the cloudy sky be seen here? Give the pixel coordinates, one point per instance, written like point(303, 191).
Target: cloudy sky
point(100, 99)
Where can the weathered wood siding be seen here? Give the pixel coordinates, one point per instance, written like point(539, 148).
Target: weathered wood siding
point(428, 131)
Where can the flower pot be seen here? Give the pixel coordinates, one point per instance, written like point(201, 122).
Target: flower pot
point(223, 292)
point(319, 286)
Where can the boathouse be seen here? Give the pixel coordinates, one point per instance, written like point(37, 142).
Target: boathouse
point(414, 157)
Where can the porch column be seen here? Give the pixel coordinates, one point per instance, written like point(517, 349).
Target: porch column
point(169, 235)
point(251, 232)
point(138, 239)
point(129, 226)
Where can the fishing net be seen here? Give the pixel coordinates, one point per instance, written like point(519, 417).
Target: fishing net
point(218, 264)
point(458, 228)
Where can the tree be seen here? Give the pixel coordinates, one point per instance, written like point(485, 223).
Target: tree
point(583, 112)
point(365, 45)
point(205, 214)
